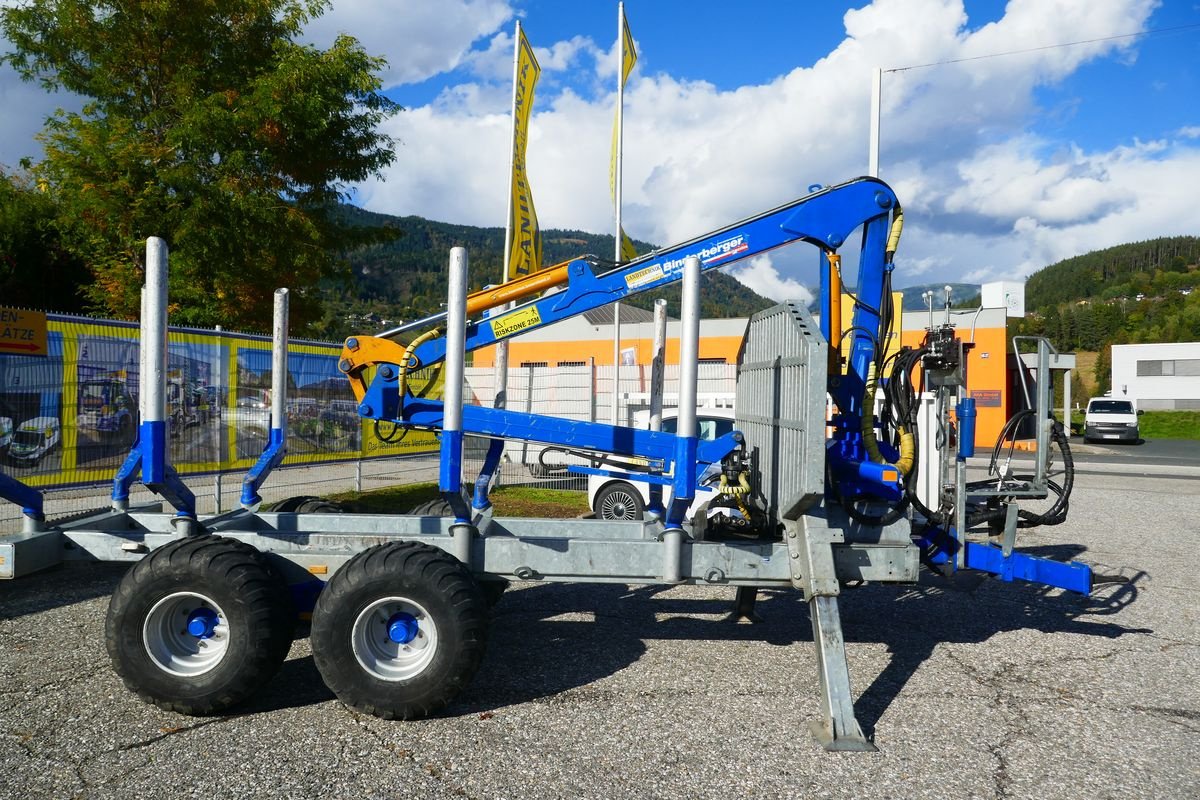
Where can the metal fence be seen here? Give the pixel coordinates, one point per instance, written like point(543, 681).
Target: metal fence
point(580, 393)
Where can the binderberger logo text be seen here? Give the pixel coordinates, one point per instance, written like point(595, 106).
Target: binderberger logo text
point(720, 251)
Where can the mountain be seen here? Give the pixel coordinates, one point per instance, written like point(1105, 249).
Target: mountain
point(405, 278)
point(960, 293)
point(1125, 270)
point(1131, 293)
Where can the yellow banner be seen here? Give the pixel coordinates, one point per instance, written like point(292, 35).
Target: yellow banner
point(526, 254)
point(628, 59)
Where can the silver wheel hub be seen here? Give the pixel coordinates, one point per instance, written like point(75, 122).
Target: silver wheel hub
point(617, 505)
point(394, 639)
point(186, 634)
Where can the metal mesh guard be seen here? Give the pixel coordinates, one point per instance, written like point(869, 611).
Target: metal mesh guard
point(781, 408)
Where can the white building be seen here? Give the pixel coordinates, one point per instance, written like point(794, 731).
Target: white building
point(1157, 375)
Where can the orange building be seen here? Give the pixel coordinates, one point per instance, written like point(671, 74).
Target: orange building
point(588, 340)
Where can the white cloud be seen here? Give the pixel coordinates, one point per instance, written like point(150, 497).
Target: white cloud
point(984, 196)
point(420, 39)
point(760, 275)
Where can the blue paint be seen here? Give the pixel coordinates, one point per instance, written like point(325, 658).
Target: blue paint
point(402, 627)
point(149, 456)
point(1072, 575)
point(271, 457)
point(490, 462)
point(965, 412)
point(27, 497)
point(202, 622)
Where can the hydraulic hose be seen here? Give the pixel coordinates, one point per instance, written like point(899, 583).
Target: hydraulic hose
point(893, 242)
point(408, 355)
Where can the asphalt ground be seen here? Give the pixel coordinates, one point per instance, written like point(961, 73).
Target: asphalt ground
point(971, 688)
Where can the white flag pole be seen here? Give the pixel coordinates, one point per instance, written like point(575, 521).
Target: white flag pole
point(617, 195)
point(500, 371)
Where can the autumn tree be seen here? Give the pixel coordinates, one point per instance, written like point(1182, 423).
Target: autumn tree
point(36, 271)
point(208, 123)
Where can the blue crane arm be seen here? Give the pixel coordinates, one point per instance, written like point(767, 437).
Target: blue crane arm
point(825, 218)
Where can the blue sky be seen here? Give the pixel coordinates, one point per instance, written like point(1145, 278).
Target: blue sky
point(1004, 164)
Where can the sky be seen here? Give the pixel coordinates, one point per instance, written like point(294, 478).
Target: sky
point(1004, 163)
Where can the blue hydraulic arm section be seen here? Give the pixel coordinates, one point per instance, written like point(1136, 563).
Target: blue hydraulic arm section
point(825, 218)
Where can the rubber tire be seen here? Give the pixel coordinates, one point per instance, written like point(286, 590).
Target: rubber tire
point(243, 583)
point(493, 590)
point(307, 504)
point(428, 576)
point(639, 506)
point(437, 507)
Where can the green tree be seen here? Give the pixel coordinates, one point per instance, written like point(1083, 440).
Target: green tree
point(1103, 369)
point(36, 271)
point(208, 124)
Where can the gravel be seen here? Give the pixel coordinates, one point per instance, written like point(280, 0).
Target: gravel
point(971, 688)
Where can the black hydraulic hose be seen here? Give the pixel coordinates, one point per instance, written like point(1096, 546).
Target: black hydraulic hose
point(1057, 513)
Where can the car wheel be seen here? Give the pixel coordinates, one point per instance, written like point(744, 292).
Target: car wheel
point(619, 501)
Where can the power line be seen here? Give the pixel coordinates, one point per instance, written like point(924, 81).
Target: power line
point(1150, 32)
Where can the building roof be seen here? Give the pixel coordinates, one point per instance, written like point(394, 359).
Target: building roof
point(630, 314)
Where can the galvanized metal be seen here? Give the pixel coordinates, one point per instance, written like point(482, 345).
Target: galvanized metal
point(456, 311)
point(153, 379)
point(279, 361)
point(781, 408)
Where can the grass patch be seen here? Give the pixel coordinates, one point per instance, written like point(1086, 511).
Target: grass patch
point(1158, 424)
point(1170, 425)
point(510, 501)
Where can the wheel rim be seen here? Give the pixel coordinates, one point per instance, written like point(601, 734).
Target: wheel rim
point(394, 638)
point(186, 634)
point(618, 504)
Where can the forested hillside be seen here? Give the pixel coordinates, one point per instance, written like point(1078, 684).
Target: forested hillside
point(405, 278)
point(1140, 292)
point(1153, 266)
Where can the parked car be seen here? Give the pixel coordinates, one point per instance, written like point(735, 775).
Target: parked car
point(33, 439)
point(1110, 419)
point(5, 432)
point(614, 498)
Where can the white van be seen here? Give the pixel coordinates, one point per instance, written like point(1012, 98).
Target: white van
point(614, 498)
point(33, 439)
point(1111, 419)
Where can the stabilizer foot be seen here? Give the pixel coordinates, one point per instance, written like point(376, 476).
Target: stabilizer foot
point(846, 742)
point(743, 606)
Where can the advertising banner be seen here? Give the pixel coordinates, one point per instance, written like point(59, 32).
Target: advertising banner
point(69, 412)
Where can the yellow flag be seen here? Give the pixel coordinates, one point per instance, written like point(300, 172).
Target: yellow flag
point(525, 257)
point(628, 59)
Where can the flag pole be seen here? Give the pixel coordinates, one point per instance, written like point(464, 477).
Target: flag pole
point(500, 370)
point(617, 196)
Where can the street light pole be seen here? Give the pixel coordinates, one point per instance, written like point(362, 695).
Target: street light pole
point(876, 100)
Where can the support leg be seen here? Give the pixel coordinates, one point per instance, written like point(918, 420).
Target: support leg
point(837, 729)
point(743, 605)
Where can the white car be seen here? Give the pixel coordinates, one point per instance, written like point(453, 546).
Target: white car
point(5, 432)
point(614, 498)
point(33, 439)
point(1111, 419)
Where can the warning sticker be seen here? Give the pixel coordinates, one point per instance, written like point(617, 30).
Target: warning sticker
point(644, 276)
point(516, 321)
